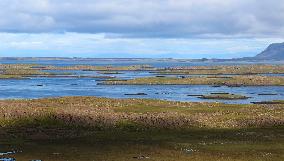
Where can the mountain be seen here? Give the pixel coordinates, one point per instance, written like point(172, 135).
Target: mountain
point(274, 51)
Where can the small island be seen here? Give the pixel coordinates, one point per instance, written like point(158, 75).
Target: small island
point(223, 96)
point(234, 81)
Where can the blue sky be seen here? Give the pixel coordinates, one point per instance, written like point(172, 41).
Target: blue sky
point(139, 28)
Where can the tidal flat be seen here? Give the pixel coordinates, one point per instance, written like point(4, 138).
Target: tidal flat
point(86, 128)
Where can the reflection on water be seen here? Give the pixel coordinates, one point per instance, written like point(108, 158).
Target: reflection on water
point(4, 154)
point(7, 153)
point(7, 159)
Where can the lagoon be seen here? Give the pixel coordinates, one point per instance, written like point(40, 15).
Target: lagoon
point(38, 87)
point(42, 87)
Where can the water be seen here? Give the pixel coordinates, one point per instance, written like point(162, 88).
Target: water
point(37, 87)
point(153, 62)
point(56, 87)
point(8, 153)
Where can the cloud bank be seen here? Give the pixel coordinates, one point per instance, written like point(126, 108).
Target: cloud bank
point(98, 45)
point(139, 28)
point(146, 18)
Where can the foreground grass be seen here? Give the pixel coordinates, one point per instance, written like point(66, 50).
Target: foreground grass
point(104, 113)
point(253, 80)
point(249, 144)
point(129, 129)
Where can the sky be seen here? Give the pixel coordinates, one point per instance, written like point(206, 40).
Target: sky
point(139, 28)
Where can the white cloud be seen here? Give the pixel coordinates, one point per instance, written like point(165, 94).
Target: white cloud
point(98, 45)
point(139, 28)
point(146, 18)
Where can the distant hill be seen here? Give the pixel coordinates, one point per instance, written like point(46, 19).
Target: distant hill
point(274, 51)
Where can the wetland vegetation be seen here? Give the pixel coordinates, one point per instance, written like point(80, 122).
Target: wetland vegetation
point(19, 70)
point(224, 70)
point(251, 80)
point(144, 129)
point(158, 129)
point(225, 96)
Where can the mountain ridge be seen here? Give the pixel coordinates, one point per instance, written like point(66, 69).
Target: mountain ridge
point(274, 51)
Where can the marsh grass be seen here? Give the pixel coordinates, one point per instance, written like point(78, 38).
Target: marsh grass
point(143, 114)
point(224, 96)
point(5, 76)
point(250, 80)
point(127, 129)
point(193, 144)
point(225, 69)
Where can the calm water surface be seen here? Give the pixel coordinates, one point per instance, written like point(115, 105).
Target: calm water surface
point(153, 62)
point(37, 87)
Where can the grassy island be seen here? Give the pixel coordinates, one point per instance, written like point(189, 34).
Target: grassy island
point(30, 70)
point(225, 69)
point(203, 80)
point(102, 68)
point(20, 71)
point(224, 96)
point(4, 76)
point(192, 70)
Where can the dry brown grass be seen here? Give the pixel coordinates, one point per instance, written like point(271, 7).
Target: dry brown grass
point(112, 113)
point(212, 130)
point(228, 69)
point(252, 80)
